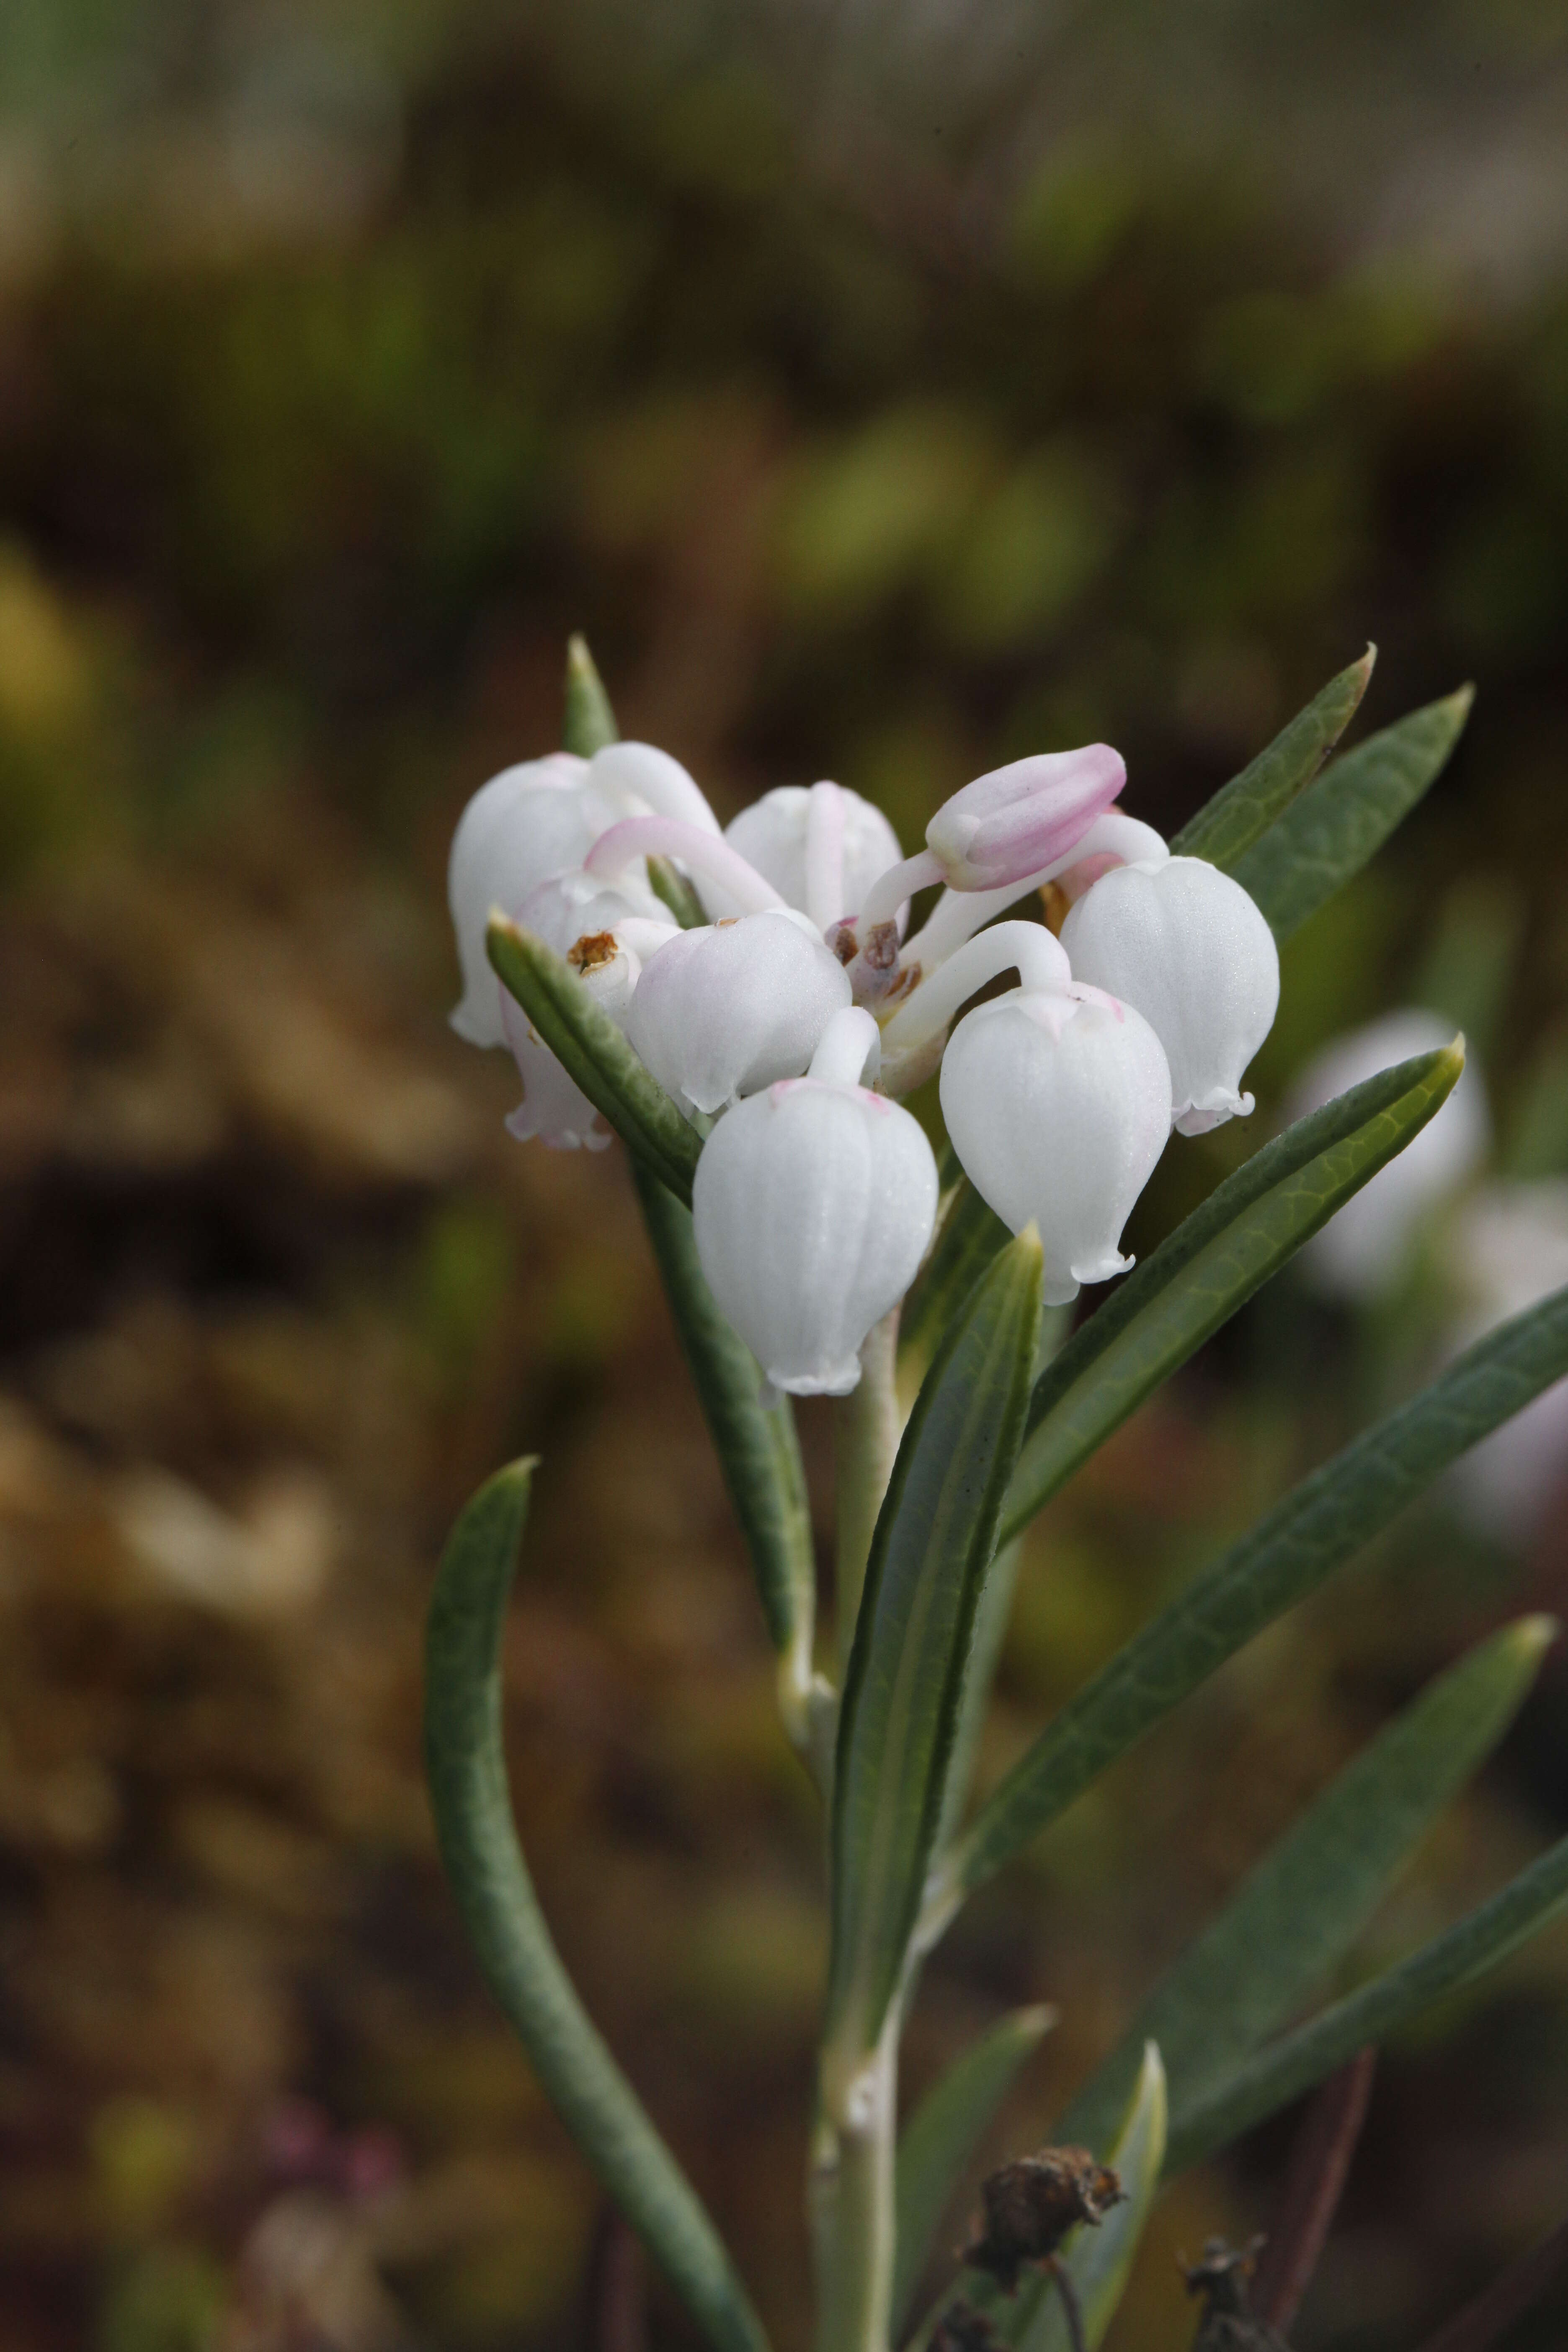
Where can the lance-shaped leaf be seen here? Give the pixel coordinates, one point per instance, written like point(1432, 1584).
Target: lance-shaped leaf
point(1298, 2060)
point(467, 1766)
point(1317, 1527)
point(969, 1236)
point(934, 1540)
point(1212, 1263)
point(943, 2133)
point(757, 1448)
point(1226, 827)
point(1296, 1915)
point(1099, 2261)
point(1331, 831)
point(582, 1036)
point(589, 722)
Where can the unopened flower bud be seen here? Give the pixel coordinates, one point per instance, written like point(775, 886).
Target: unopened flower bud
point(1058, 1105)
point(725, 1010)
point(814, 1202)
point(1185, 945)
point(1005, 825)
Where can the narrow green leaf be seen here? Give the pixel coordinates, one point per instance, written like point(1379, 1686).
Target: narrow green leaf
point(582, 1036)
point(1297, 1915)
point(934, 1540)
point(943, 2134)
point(969, 1237)
point(590, 723)
point(1100, 2261)
point(1212, 1263)
point(1331, 831)
point(1390, 2001)
point(1317, 1527)
point(1226, 827)
point(466, 1762)
point(757, 1448)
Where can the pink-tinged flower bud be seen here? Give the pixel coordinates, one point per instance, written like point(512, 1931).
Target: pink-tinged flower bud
point(1368, 1247)
point(821, 848)
point(526, 824)
point(1005, 825)
point(1186, 946)
point(1058, 1105)
point(726, 1010)
point(814, 1203)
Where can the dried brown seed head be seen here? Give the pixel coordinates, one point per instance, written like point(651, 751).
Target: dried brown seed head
point(1032, 2203)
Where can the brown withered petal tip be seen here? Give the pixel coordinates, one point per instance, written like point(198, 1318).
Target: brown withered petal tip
point(1031, 2204)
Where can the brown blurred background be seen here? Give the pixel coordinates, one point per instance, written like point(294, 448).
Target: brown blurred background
point(887, 391)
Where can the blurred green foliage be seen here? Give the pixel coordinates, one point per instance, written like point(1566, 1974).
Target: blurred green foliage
point(873, 418)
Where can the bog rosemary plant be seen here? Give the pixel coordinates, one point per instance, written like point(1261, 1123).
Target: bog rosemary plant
point(743, 1008)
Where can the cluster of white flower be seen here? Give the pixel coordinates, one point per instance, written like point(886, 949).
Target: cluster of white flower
point(800, 1011)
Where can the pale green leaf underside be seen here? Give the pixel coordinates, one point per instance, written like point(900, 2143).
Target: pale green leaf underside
point(1341, 820)
point(1320, 1524)
point(1226, 827)
point(582, 1036)
point(1298, 1912)
point(1212, 1265)
point(1292, 2064)
point(941, 2138)
point(466, 1763)
point(757, 1448)
point(934, 1539)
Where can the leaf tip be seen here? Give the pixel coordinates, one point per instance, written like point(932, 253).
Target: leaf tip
point(1533, 1636)
point(1035, 2022)
point(1456, 707)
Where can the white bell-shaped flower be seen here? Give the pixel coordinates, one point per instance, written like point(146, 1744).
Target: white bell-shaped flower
point(1059, 1104)
point(814, 1203)
point(1186, 946)
point(603, 934)
point(1368, 1247)
point(728, 1009)
point(821, 847)
point(539, 819)
point(529, 821)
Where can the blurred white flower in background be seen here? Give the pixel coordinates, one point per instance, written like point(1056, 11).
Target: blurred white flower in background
point(1509, 1248)
point(1367, 1249)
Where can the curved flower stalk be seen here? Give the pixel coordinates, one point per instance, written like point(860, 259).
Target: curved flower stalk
point(789, 1019)
point(812, 1205)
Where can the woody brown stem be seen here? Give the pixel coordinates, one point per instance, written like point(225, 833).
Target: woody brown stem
point(1320, 2162)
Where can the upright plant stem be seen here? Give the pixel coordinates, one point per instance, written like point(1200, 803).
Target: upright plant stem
point(867, 1428)
point(853, 2203)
